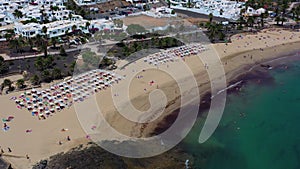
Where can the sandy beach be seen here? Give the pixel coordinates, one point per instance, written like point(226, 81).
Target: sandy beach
point(42, 142)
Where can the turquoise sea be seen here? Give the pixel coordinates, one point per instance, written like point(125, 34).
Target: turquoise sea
point(260, 127)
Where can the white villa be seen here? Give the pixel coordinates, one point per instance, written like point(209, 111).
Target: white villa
point(220, 8)
point(160, 12)
point(252, 12)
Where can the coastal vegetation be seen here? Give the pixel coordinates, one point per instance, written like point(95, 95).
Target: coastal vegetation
point(3, 66)
point(126, 47)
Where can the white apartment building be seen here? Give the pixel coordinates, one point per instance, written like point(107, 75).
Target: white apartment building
point(60, 28)
point(220, 8)
point(89, 2)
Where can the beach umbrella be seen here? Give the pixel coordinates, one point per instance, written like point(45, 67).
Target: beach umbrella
point(33, 91)
point(47, 112)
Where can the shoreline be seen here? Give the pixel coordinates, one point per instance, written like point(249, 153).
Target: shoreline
point(237, 67)
point(235, 81)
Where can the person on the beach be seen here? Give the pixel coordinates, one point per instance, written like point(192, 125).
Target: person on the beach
point(27, 157)
point(68, 138)
point(9, 150)
point(60, 143)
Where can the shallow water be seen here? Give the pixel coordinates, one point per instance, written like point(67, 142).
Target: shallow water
point(260, 127)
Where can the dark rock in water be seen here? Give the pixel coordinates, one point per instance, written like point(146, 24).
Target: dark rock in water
point(4, 164)
point(87, 158)
point(266, 66)
point(41, 165)
point(94, 157)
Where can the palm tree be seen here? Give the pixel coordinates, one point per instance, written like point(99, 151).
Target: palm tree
point(211, 16)
point(277, 19)
point(35, 80)
point(54, 41)
point(169, 3)
point(46, 76)
point(297, 13)
point(30, 41)
point(212, 31)
point(74, 27)
point(20, 83)
point(87, 24)
point(44, 30)
point(39, 64)
point(250, 21)
point(241, 20)
point(56, 73)
point(284, 7)
point(62, 51)
point(7, 83)
point(17, 44)
point(42, 15)
point(42, 44)
point(70, 16)
point(14, 44)
point(293, 11)
point(44, 47)
point(262, 16)
point(189, 4)
point(18, 14)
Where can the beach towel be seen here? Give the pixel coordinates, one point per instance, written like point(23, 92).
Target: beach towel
point(28, 131)
point(6, 128)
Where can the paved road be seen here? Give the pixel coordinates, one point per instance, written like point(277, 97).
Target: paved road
point(6, 57)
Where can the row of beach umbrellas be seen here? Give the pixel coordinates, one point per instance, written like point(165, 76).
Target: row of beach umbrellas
point(62, 95)
point(174, 54)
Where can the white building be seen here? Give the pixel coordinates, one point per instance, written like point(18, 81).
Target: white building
point(220, 8)
point(252, 12)
point(89, 2)
point(60, 28)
